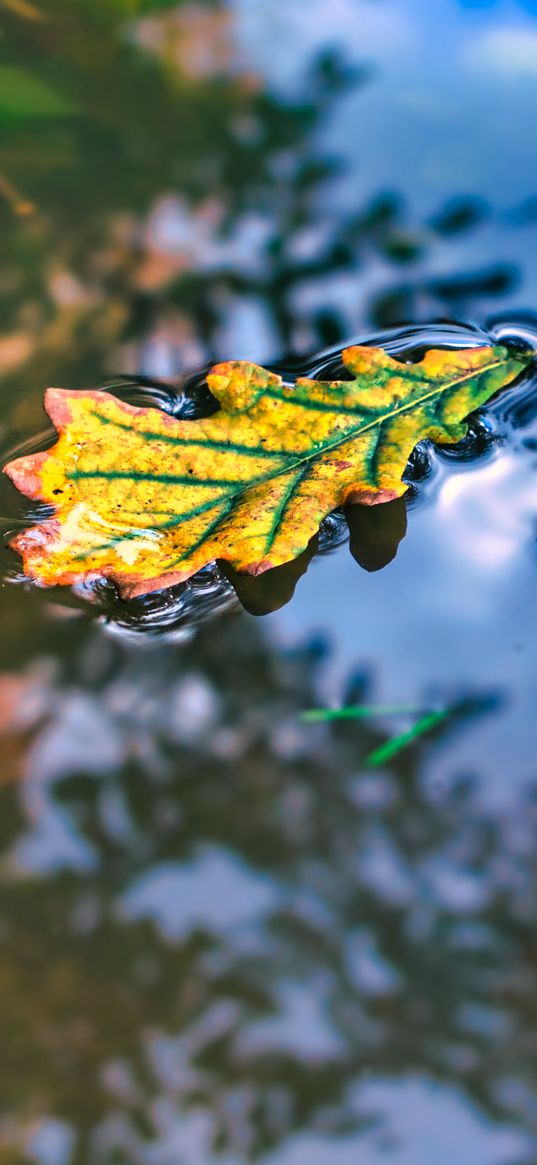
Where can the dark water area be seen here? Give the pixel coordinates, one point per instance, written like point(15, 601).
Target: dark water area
point(225, 935)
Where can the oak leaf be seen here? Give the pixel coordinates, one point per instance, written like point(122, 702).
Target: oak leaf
point(147, 500)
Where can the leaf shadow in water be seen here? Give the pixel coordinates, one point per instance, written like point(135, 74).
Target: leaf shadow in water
point(375, 534)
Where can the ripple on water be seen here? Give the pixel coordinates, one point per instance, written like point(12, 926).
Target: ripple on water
point(177, 610)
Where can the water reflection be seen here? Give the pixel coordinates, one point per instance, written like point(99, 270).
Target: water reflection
point(228, 217)
point(218, 928)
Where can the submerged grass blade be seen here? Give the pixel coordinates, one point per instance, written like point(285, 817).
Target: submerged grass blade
point(358, 712)
point(386, 751)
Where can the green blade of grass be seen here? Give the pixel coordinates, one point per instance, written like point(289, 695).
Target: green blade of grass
point(386, 751)
point(358, 712)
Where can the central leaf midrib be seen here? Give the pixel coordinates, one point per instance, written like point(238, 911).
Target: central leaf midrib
point(376, 423)
point(237, 488)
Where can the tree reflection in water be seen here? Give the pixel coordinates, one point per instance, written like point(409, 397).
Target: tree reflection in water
point(215, 919)
point(181, 204)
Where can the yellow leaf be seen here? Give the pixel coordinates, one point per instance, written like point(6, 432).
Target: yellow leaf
point(147, 500)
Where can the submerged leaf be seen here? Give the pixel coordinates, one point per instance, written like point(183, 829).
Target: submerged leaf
point(147, 500)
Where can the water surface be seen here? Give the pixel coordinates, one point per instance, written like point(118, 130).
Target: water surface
point(225, 937)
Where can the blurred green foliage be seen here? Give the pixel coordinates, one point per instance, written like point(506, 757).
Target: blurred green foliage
point(24, 96)
point(162, 104)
